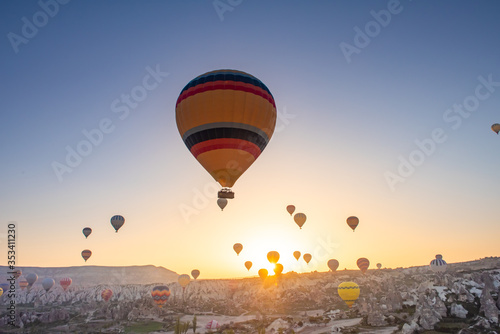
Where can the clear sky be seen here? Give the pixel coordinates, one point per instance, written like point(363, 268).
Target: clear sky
point(384, 112)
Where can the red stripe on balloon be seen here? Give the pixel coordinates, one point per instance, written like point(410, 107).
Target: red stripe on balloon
point(225, 143)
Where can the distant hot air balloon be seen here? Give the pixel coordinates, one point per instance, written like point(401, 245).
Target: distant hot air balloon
point(212, 324)
point(86, 254)
point(333, 264)
point(17, 273)
point(184, 281)
point(273, 257)
point(248, 265)
point(47, 283)
point(106, 294)
point(160, 295)
point(300, 219)
point(86, 231)
point(65, 282)
point(363, 264)
point(349, 292)
point(195, 273)
point(31, 278)
point(379, 265)
point(222, 202)
point(117, 222)
point(226, 118)
point(307, 257)
point(496, 127)
point(263, 273)
point(438, 265)
point(23, 284)
point(5, 287)
point(296, 254)
point(237, 248)
point(1, 292)
point(352, 222)
point(290, 209)
point(278, 269)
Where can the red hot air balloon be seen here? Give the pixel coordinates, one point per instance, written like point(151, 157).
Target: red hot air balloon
point(65, 283)
point(86, 254)
point(363, 264)
point(106, 294)
point(290, 209)
point(352, 222)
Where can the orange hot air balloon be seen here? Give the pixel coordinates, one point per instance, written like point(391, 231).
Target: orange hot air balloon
point(86, 254)
point(496, 127)
point(238, 248)
point(23, 284)
point(300, 219)
point(184, 280)
point(278, 269)
point(333, 264)
point(290, 209)
point(65, 283)
point(363, 264)
point(248, 265)
point(296, 254)
point(226, 119)
point(160, 295)
point(273, 257)
point(106, 294)
point(307, 257)
point(352, 222)
point(263, 273)
point(195, 273)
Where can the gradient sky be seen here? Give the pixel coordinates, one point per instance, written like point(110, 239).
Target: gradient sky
point(345, 123)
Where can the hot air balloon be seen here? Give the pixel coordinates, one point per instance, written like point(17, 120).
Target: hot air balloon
point(237, 248)
point(278, 269)
point(86, 231)
point(333, 264)
point(1, 292)
point(222, 202)
point(248, 265)
point(23, 284)
point(106, 294)
point(363, 264)
point(212, 324)
point(31, 278)
point(290, 209)
point(65, 282)
point(438, 265)
point(349, 292)
point(263, 273)
point(195, 273)
point(226, 118)
point(379, 265)
point(296, 254)
point(160, 295)
point(352, 222)
point(17, 273)
point(184, 281)
point(117, 222)
point(307, 257)
point(47, 283)
point(273, 257)
point(496, 127)
point(300, 219)
point(86, 254)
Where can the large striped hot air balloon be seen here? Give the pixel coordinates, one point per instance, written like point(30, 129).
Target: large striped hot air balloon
point(226, 118)
point(349, 292)
point(86, 254)
point(363, 264)
point(160, 295)
point(438, 265)
point(65, 282)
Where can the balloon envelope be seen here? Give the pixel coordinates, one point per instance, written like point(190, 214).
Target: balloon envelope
point(86, 231)
point(278, 269)
point(333, 264)
point(31, 278)
point(65, 282)
point(363, 264)
point(86, 254)
point(212, 324)
point(226, 118)
point(17, 273)
point(222, 202)
point(379, 265)
point(438, 265)
point(106, 294)
point(117, 222)
point(1, 291)
point(496, 127)
point(263, 273)
point(349, 292)
point(195, 273)
point(237, 248)
point(273, 257)
point(184, 280)
point(248, 265)
point(353, 222)
point(290, 209)
point(307, 257)
point(160, 295)
point(47, 283)
point(23, 284)
point(300, 219)
point(296, 254)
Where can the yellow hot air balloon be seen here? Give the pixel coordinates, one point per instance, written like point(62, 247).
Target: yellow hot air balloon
point(307, 257)
point(238, 248)
point(248, 265)
point(363, 264)
point(226, 119)
point(1, 292)
point(353, 222)
point(273, 257)
point(296, 254)
point(184, 280)
point(496, 127)
point(300, 219)
point(290, 209)
point(263, 273)
point(349, 292)
point(278, 269)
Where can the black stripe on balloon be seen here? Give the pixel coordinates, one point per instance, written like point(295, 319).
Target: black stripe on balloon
point(227, 77)
point(218, 133)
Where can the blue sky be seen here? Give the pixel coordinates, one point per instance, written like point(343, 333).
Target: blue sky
point(344, 122)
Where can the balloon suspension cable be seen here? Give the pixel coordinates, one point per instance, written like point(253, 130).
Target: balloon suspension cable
point(226, 193)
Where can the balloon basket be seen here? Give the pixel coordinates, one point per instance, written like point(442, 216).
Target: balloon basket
point(225, 193)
